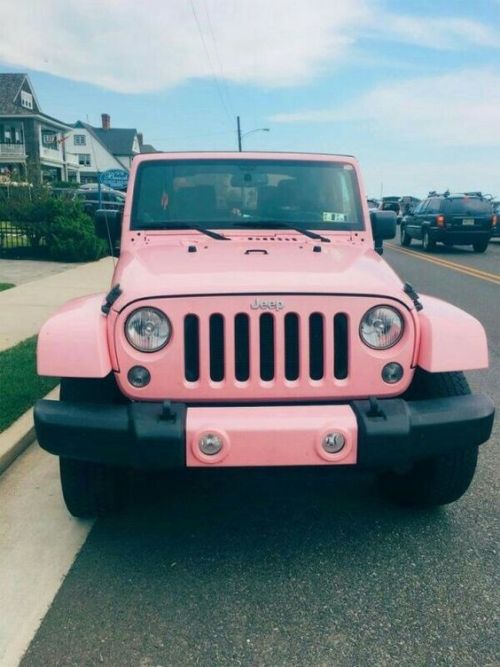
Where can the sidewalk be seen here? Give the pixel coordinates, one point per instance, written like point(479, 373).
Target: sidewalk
point(25, 308)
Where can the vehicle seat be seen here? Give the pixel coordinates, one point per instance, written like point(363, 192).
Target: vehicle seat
point(195, 202)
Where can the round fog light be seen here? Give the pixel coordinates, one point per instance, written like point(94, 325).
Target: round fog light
point(138, 376)
point(333, 442)
point(210, 444)
point(392, 373)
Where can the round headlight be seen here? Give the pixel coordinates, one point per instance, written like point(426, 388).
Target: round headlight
point(381, 327)
point(148, 329)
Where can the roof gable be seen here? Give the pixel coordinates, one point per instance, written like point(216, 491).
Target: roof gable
point(118, 141)
point(11, 86)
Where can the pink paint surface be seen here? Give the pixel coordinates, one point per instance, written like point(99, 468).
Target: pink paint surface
point(271, 436)
point(167, 365)
point(73, 342)
point(451, 339)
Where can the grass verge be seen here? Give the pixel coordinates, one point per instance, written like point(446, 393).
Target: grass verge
point(20, 386)
point(4, 286)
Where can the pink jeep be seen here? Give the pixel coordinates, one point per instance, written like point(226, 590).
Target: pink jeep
point(252, 322)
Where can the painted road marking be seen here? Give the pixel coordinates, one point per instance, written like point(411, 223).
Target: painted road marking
point(461, 268)
point(39, 541)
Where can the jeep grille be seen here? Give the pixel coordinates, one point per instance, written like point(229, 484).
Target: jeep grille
point(278, 335)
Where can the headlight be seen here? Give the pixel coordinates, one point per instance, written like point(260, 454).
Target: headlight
point(381, 327)
point(148, 329)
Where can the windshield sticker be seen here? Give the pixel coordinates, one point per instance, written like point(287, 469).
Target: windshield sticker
point(329, 216)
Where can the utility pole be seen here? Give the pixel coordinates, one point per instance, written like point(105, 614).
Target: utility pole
point(238, 129)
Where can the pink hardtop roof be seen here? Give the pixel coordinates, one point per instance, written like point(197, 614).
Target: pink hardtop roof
point(244, 155)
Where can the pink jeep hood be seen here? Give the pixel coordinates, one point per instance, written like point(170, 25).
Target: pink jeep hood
point(274, 266)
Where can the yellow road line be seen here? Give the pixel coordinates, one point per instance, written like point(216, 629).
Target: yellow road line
point(469, 271)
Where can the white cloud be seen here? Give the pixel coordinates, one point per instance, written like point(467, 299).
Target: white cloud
point(457, 109)
point(439, 33)
point(131, 46)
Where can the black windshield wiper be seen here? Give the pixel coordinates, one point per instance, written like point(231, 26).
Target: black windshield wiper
point(198, 228)
point(283, 225)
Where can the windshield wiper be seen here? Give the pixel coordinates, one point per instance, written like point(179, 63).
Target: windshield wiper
point(198, 228)
point(283, 225)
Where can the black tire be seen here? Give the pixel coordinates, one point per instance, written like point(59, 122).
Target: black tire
point(428, 244)
point(91, 489)
point(404, 237)
point(480, 246)
point(442, 479)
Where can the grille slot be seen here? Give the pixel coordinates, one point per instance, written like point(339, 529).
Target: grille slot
point(216, 332)
point(292, 346)
point(316, 346)
point(266, 331)
point(340, 346)
point(191, 348)
point(242, 347)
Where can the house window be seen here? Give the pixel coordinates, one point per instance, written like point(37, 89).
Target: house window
point(49, 139)
point(26, 100)
point(80, 140)
point(84, 159)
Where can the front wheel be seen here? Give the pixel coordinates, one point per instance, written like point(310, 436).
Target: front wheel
point(480, 246)
point(442, 479)
point(404, 236)
point(91, 489)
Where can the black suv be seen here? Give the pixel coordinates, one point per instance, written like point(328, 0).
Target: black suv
point(461, 219)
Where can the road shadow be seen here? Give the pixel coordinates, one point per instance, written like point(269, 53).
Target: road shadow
point(255, 567)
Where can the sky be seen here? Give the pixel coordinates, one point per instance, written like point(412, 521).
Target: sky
point(412, 88)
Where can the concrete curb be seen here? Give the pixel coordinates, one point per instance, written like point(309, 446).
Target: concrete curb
point(20, 435)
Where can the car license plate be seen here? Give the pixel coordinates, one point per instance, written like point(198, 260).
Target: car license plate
point(468, 221)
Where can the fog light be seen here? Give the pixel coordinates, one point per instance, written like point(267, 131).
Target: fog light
point(138, 376)
point(392, 373)
point(333, 442)
point(210, 444)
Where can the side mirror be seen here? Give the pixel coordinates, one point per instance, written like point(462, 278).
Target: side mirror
point(383, 227)
point(108, 224)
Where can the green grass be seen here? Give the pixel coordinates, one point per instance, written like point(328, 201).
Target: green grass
point(20, 386)
point(4, 286)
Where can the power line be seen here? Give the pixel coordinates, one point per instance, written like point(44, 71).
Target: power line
point(218, 58)
point(214, 74)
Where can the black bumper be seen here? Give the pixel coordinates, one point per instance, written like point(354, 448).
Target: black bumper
point(459, 236)
point(153, 435)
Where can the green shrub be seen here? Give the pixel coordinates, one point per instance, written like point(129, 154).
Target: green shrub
point(55, 225)
point(71, 238)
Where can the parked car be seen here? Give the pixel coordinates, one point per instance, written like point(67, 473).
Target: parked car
point(407, 204)
point(452, 219)
point(390, 204)
point(373, 204)
point(252, 322)
point(112, 200)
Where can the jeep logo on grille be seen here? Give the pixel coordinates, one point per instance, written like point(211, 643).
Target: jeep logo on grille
point(267, 304)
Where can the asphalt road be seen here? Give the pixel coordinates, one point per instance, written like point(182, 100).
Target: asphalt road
point(295, 569)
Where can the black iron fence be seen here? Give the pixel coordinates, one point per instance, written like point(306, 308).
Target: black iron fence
point(17, 240)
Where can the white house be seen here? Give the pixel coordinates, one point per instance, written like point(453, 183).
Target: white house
point(100, 148)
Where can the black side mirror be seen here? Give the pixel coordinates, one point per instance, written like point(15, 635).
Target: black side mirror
point(383, 227)
point(108, 224)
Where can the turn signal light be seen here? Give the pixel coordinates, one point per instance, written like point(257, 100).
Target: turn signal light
point(440, 220)
point(493, 220)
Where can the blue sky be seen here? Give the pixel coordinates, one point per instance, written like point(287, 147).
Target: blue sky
point(411, 88)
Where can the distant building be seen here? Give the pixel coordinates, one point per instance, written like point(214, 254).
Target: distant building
point(100, 148)
point(32, 144)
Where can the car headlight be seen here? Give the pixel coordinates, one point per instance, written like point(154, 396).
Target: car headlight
point(381, 327)
point(148, 329)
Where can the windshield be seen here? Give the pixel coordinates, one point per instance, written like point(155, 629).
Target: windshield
point(468, 206)
point(238, 193)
